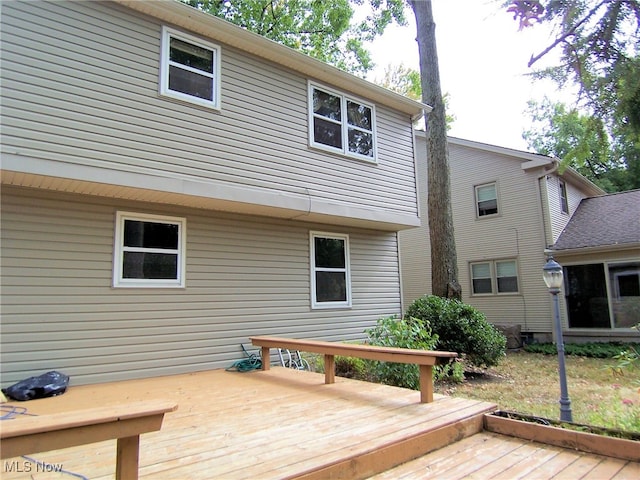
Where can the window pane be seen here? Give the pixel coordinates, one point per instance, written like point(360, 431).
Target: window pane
point(481, 270)
point(191, 55)
point(481, 278)
point(586, 294)
point(190, 83)
point(625, 285)
point(150, 265)
point(327, 133)
point(326, 105)
point(506, 269)
point(486, 192)
point(331, 287)
point(482, 285)
point(359, 115)
point(150, 235)
point(507, 284)
point(360, 142)
point(329, 253)
point(487, 208)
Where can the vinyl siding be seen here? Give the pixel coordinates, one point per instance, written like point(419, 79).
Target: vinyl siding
point(558, 219)
point(515, 233)
point(80, 86)
point(244, 276)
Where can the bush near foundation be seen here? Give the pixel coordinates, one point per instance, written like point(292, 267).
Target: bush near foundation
point(460, 328)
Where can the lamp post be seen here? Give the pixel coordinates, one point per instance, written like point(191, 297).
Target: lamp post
point(552, 275)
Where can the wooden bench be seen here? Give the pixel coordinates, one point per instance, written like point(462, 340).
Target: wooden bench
point(426, 359)
point(24, 435)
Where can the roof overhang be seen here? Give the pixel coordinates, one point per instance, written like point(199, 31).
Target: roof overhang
point(597, 249)
point(206, 25)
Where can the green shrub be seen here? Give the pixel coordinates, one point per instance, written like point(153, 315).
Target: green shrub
point(460, 328)
point(351, 367)
point(401, 333)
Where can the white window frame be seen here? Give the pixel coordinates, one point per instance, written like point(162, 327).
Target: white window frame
point(120, 248)
point(315, 304)
point(344, 98)
point(477, 201)
point(493, 269)
point(167, 33)
point(564, 198)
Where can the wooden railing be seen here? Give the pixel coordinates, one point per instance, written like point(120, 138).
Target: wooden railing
point(24, 435)
point(426, 359)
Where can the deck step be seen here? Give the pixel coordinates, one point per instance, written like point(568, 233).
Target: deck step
point(366, 464)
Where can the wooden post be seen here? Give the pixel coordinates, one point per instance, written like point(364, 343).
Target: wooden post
point(329, 369)
point(266, 358)
point(426, 384)
point(127, 458)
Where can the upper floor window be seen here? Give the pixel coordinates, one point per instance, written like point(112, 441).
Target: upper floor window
point(330, 276)
point(486, 200)
point(497, 276)
point(190, 69)
point(341, 124)
point(562, 190)
point(149, 251)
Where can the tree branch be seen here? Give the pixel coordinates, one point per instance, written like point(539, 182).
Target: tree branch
point(566, 34)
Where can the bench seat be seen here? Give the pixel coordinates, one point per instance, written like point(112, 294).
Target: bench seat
point(25, 435)
point(425, 359)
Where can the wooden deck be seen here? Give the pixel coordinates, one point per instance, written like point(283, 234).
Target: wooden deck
point(283, 423)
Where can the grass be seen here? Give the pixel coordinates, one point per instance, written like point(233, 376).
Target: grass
point(528, 383)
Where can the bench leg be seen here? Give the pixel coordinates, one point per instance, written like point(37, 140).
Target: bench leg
point(426, 384)
point(266, 358)
point(329, 369)
point(127, 458)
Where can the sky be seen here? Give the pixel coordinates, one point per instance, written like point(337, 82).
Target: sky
point(483, 65)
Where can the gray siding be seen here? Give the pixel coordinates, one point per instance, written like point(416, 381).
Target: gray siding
point(80, 86)
point(245, 276)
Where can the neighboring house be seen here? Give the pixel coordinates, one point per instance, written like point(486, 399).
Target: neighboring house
point(509, 207)
point(173, 184)
point(600, 252)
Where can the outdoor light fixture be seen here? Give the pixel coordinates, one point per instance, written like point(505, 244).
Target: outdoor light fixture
point(552, 275)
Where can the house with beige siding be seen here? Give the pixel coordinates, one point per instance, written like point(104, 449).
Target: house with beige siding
point(173, 184)
point(510, 207)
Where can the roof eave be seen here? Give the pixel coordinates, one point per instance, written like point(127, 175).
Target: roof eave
point(618, 247)
point(189, 18)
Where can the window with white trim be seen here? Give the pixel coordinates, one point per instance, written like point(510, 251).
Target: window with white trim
point(562, 191)
point(330, 276)
point(190, 69)
point(496, 276)
point(486, 199)
point(341, 124)
point(149, 251)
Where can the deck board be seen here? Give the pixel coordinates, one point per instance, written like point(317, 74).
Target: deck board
point(283, 423)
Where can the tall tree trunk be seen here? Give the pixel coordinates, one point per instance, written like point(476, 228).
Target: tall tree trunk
point(444, 262)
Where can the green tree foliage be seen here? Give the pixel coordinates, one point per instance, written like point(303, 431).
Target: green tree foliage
point(326, 30)
point(581, 141)
point(406, 81)
point(598, 42)
point(460, 328)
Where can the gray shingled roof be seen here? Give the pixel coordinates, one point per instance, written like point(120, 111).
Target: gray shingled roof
point(601, 221)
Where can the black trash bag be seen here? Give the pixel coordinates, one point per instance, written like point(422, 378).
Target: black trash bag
point(48, 384)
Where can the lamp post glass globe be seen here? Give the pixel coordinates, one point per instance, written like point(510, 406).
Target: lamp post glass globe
point(552, 274)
